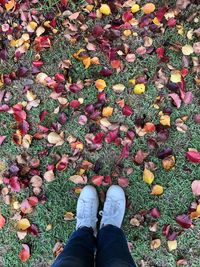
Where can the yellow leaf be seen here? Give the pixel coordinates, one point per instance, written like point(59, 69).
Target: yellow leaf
point(148, 176)
point(175, 76)
point(107, 111)
point(156, 21)
point(172, 244)
point(139, 89)
point(187, 50)
point(155, 243)
point(148, 8)
point(157, 190)
point(100, 84)
point(31, 26)
point(135, 8)
point(165, 120)
point(30, 95)
point(87, 62)
point(23, 224)
point(105, 9)
point(198, 209)
point(127, 33)
point(168, 163)
point(10, 5)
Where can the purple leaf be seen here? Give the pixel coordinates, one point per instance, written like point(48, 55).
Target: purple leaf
point(184, 220)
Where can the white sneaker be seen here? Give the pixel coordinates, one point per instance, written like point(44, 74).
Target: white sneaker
point(87, 207)
point(114, 207)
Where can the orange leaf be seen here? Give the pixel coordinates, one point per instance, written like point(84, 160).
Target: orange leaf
point(168, 163)
point(100, 84)
point(157, 190)
point(10, 5)
point(149, 127)
point(155, 243)
point(2, 221)
point(87, 62)
point(148, 8)
point(116, 64)
point(107, 111)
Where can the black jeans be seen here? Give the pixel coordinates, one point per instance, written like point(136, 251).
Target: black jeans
point(110, 246)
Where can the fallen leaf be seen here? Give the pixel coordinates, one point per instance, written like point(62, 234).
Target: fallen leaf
point(2, 221)
point(182, 4)
point(118, 88)
point(181, 262)
point(107, 111)
point(196, 47)
point(196, 187)
point(165, 120)
point(184, 221)
point(140, 156)
point(157, 190)
point(2, 138)
point(172, 244)
point(176, 99)
point(168, 162)
point(123, 182)
point(139, 89)
point(78, 179)
point(156, 243)
point(193, 156)
point(23, 224)
point(100, 84)
point(9, 5)
point(49, 176)
point(187, 50)
point(24, 254)
point(135, 8)
point(105, 9)
point(148, 176)
point(97, 180)
point(69, 216)
point(148, 8)
point(175, 76)
point(55, 139)
point(155, 213)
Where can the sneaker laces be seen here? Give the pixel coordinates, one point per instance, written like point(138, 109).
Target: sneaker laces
point(87, 215)
point(111, 210)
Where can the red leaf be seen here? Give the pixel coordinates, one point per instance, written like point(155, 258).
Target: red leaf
point(41, 43)
point(63, 163)
point(193, 156)
point(37, 64)
point(107, 180)
point(74, 104)
point(33, 201)
point(127, 111)
point(166, 229)
point(176, 99)
point(184, 72)
point(24, 254)
point(98, 138)
point(43, 115)
point(182, 86)
point(97, 180)
point(123, 182)
point(127, 16)
point(2, 221)
point(155, 213)
point(184, 220)
point(160, 52)
point(59, 77)
point(111, 136)
point(161, 12)
point(14, 184)
point(2, 138)
point(33, 229)
point(74, 88)
point(125, 152)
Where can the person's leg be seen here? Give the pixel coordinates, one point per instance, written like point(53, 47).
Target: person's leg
point(79, 251)
point(112, 248)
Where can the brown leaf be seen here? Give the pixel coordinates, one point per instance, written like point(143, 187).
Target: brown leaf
point(78, 179)
point(168, 163)
point(140, 156)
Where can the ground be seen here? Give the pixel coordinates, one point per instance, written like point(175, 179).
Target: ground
point(60, 195)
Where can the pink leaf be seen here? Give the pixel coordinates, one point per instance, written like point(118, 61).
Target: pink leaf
point(176, 99)
point(193, 156)
point(184, 220)
point(188, 98)
point(14, 184)
point(155, 213)
point(196, 187)
point(2, 221)
point(2, 138)
point(82, 120)
point(125, 152)
point(123, 182)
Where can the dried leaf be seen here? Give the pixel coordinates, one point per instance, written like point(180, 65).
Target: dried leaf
point(49, 176)
point(78, 179)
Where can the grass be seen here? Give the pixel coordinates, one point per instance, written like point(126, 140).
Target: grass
point(60, 196)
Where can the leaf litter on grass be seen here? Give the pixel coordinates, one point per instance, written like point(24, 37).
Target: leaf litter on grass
point(105, 97)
